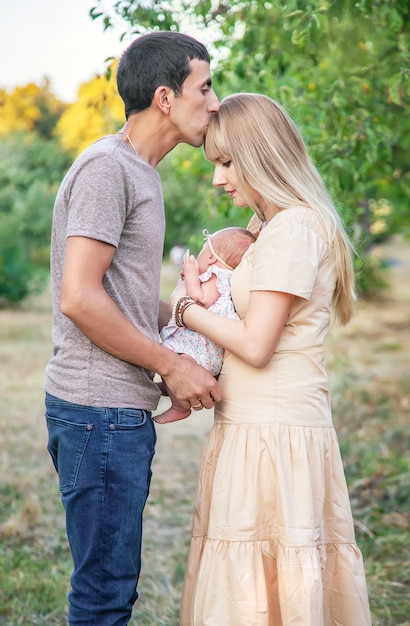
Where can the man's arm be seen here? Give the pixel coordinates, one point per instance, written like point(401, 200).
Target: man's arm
point(86, 303)
point(164, 314)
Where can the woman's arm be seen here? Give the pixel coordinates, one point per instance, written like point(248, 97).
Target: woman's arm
point(253, 338)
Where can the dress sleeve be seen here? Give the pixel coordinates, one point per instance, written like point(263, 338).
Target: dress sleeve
point(287, 256)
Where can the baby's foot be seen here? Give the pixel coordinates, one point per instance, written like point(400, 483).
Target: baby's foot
point(173, 414)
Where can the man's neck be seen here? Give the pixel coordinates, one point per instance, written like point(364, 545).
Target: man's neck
point(149, 134)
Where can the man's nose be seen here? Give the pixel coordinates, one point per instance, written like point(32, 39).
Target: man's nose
point(214, 103)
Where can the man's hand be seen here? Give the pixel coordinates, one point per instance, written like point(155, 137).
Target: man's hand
point(192, 385)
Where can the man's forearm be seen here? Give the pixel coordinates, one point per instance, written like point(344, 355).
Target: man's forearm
point(99, 319)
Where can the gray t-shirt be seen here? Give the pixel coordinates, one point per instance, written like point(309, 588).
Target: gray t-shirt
point(113, 195)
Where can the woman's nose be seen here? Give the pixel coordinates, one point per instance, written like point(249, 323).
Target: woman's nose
point(218, 179)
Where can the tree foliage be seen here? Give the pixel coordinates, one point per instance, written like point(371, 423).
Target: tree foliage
point(39, 137)
point(32, 164)
point(31, 168)
point(97, 111)
point(341, 68)
point(30, 108)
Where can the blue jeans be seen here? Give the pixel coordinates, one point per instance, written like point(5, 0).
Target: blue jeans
point(103, 459)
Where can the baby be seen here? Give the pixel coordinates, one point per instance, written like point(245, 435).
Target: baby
point(207, 281)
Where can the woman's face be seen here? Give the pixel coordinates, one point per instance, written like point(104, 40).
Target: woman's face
point(225, 176)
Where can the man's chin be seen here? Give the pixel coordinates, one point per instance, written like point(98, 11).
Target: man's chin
point(197, 143)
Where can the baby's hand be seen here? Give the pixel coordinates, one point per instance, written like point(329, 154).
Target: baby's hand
point(190, 267)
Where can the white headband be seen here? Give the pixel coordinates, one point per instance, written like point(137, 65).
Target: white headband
point(208, 236)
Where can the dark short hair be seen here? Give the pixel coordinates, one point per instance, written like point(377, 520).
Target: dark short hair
point(154, 59)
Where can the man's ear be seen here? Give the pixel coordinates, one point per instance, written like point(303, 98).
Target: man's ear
point(163, 98)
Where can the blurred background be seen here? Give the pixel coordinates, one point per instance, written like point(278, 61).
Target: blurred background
point(341, 68)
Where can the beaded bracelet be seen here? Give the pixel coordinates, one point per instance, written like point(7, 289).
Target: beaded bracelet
point(179, 309)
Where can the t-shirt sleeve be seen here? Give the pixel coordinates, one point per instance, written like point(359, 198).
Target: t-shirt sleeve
point(97, 207)
point(286, 258)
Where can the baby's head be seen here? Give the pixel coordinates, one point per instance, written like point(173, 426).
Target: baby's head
point(228, 245)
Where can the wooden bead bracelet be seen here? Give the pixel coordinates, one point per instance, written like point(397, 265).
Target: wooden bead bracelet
point(179, 309)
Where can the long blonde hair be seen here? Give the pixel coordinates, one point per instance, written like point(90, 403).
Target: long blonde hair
point(270, 157)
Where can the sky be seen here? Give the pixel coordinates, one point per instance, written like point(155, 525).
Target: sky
point(55, 39)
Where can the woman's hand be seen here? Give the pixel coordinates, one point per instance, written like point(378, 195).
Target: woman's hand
point(178, 292)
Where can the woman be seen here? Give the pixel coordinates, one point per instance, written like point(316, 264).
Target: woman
point(273, 541)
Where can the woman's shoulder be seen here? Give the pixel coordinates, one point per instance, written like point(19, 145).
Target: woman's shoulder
point(299, 217)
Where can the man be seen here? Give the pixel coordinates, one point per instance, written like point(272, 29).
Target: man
point(107, 245)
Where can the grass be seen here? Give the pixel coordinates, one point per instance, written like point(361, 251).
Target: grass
point(368, 364)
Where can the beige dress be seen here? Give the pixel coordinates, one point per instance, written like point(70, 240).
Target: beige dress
point(273, 541)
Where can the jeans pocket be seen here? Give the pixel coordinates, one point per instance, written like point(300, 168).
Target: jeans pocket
point(130, 419)
point(67, 442)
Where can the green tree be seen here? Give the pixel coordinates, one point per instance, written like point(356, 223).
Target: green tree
point(31, 168)
point(341, 68)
